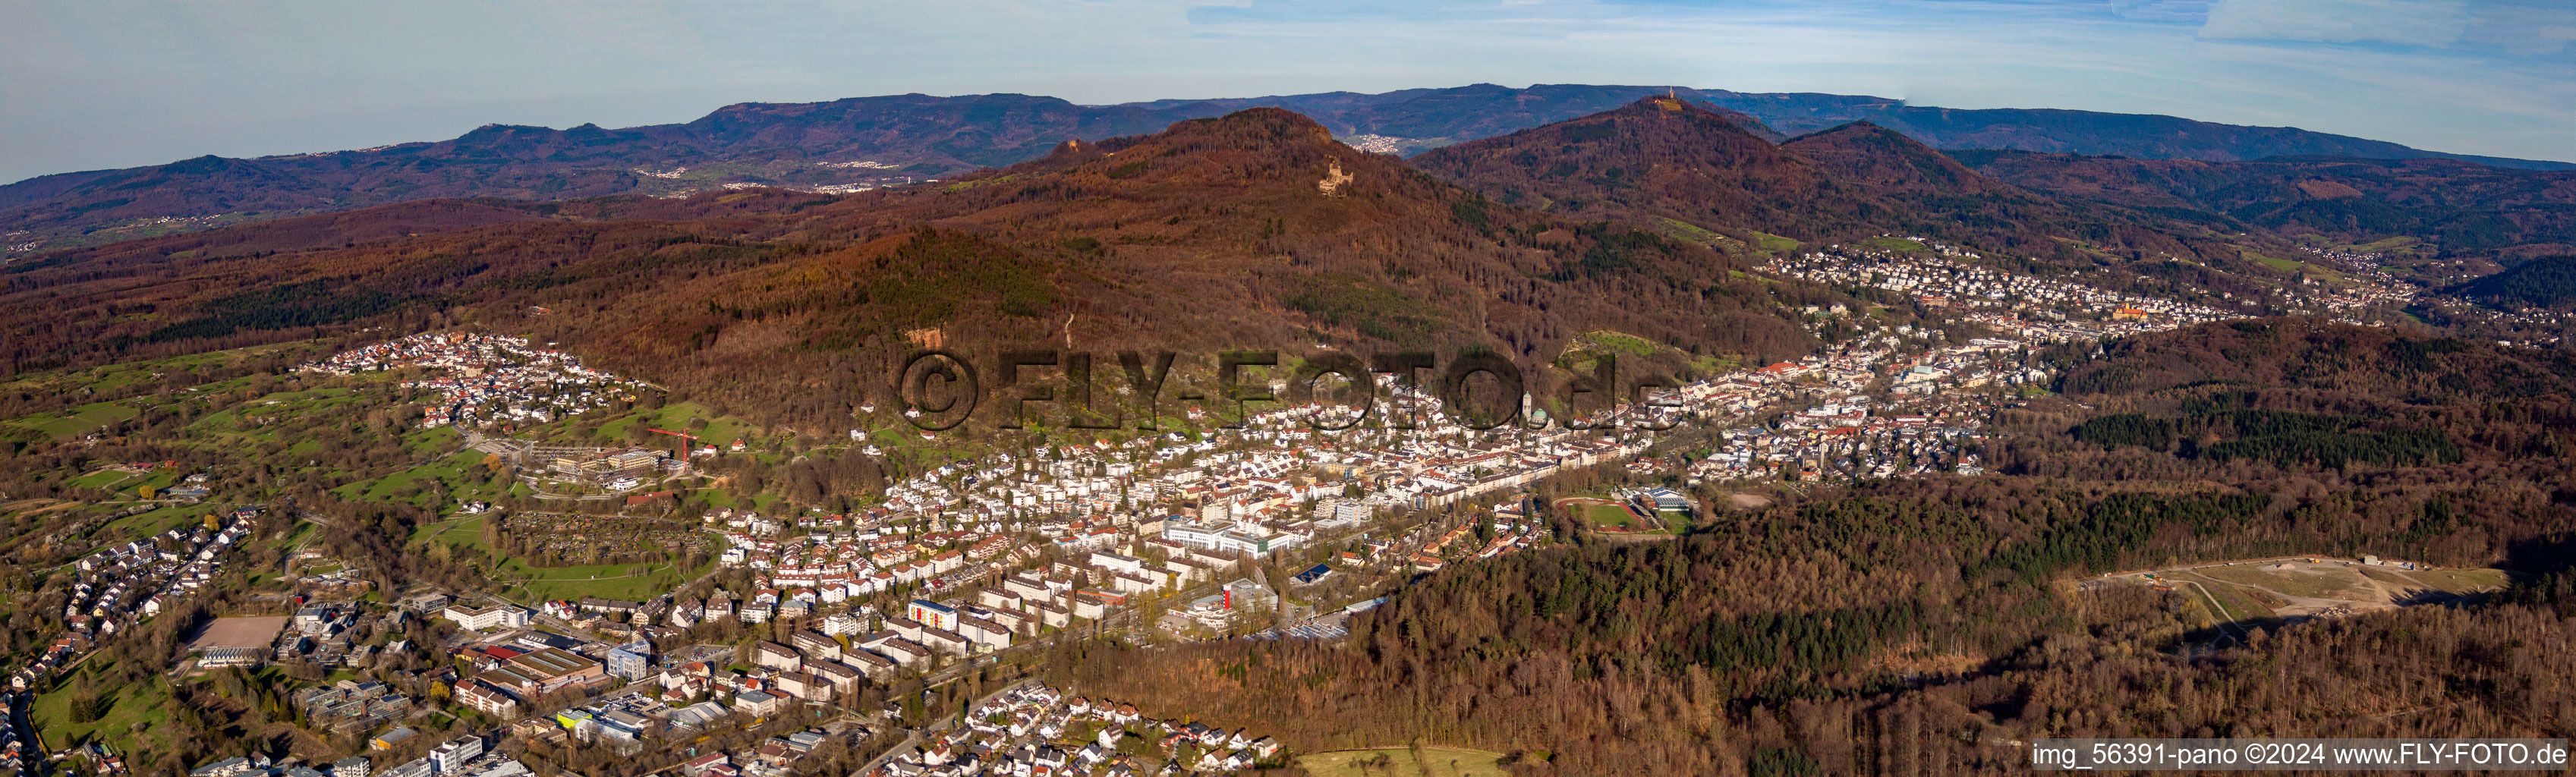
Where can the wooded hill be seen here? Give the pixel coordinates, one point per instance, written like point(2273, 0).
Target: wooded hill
point(1693, 173)
point(2543, 282)
point(1660, 158)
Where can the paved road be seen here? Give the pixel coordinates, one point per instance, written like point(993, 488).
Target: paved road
point(912, 738)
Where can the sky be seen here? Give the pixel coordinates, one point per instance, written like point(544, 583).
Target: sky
point(115, 83)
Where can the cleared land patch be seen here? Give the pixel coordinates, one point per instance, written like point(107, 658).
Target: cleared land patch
point(239, 632)
point(1401, 762)
point(2301, 588)
point(2303, 581)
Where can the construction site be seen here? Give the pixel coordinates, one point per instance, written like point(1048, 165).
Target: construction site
point(2294, 589)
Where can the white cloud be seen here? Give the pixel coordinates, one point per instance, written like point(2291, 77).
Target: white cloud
point(2160, 10)
point(2408, 22)
point(2523, 28)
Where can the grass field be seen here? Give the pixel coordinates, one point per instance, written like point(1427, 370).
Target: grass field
point(1712, 364)
point(2310, 583)
point(1607, 515)
point(2240, 607)
point(137, 704)
point(462, 473)
point(2399, 243)
point(1775, 244)
point(1617, 342)
point(2284, 265)
point(112, 378)
point(74, 422)
point(462, 531)
point(258, 418)
point(1891, 244)
point(2297, 267)
point(613, 581)
point(153, 522)
point(106, 478)
point(720, 431)
point(2463, 580)
point(1617, 521)
point(434, 440)
point(2458, 581)
point(1691, 232)
point(1400, 762)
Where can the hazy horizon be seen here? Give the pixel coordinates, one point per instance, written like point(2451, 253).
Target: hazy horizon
point(122, 83)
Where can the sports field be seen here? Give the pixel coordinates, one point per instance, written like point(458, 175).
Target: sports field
point(1611, 517)
point(246, 632)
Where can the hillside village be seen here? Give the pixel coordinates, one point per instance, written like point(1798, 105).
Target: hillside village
point(488, 378)
point(1911, 401)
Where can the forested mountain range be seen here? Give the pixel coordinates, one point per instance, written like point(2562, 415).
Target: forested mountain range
point(2452, 207)
point(874, 141)
point(1276, 232)
point(1252, 229)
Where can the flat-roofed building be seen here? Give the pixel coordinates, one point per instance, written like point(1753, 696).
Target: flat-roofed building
point(543, 671)
point(840, 676)
point(870, 664)
point(933, 614)
point(452, 755)
point(759, 703)
point(482, 697)
point(499, 616)
point(226, 657)
point(805, 686)
point(984, 632)
point(776, 656)
point(816, 645)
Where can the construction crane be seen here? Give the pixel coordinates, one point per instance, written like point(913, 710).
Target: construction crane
point(687, 440)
